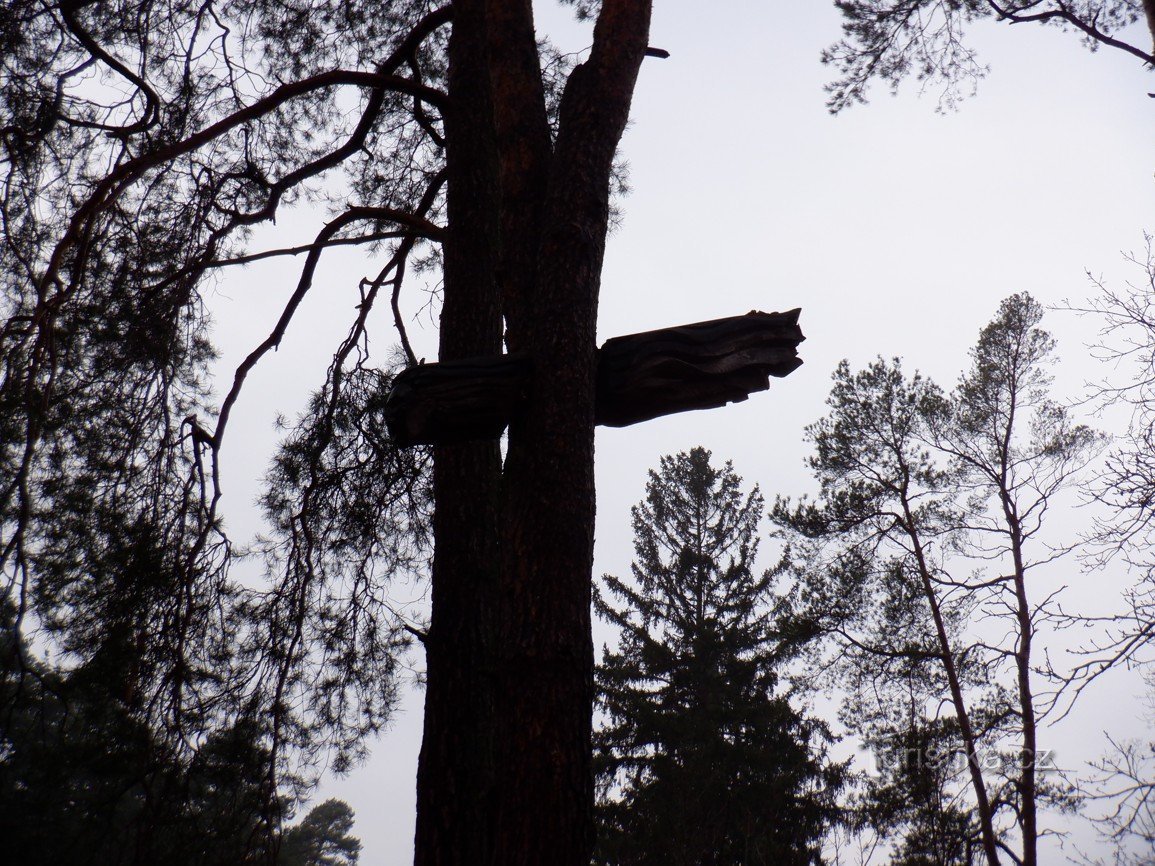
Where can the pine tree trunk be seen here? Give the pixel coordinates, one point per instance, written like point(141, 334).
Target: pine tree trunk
point(1028, 782)
point(545, 675)
point(505, 774)
point(950, 668)
point(455, 769)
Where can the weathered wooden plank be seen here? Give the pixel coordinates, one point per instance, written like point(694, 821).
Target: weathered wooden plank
point(699, 366)
point(456, 400)
point(640, 376)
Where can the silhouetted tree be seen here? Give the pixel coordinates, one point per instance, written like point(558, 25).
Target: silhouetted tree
point(142, 143)
point(921, 495)
point(1126, 488)
point(925, 39)
point(322, 838)
point(912, 797)
point(1124, 492)
point(84, 781)
point(702, 759)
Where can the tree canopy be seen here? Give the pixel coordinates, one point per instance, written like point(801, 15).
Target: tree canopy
point(84, 781)
point(322, 838)
point(702, 758)
point(890, 40)
point(923, 561)
point(143, 144)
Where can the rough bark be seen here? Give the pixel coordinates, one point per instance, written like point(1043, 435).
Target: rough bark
point(455, 770)
point(545, 676)
point(456, 401)
point(521, 128)
point(505, 773)
point(700, 366)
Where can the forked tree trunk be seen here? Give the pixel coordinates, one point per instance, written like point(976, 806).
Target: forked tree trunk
point(545, 674)
point(510, 782)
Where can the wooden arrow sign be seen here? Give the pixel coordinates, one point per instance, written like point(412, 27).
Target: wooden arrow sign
point(640, 376)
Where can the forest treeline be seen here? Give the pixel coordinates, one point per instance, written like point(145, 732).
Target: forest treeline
point(922, 586)
point(927, 587)
point(84, 783)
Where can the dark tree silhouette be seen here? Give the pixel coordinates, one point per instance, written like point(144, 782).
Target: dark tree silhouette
point(913, 800)
point(142, 142)
point(702, 759)
point(928, 531)
point(83, 781)
point(891, 40)
point(322, 838)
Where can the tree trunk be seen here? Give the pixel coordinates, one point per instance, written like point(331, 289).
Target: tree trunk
point(455, 769)
point(505, 774)
point(545, 675)
point(966, 730)
point(1028, 781)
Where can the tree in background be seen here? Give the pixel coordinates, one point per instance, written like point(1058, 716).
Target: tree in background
point(1126, 488)
point(702, 759)
point(142, 144)
point(912, 799)
point(322, 838)
point(890, 40)
point(84, 781)
point(922, 560)
point(1124, 783)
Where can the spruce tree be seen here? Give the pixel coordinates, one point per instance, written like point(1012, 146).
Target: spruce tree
point(701, 758)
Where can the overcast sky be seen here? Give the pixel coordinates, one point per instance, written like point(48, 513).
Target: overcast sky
point(896, 229)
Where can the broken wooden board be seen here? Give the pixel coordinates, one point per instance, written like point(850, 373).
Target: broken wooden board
point(640, 376)
point(698, 366)
point(455, 401)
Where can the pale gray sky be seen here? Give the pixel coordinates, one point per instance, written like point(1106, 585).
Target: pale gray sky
point(896, 229)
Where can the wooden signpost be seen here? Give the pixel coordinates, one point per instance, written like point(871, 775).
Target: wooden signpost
point(640, 376)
